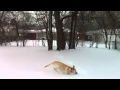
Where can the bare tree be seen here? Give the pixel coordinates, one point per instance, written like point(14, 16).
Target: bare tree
point(4, 26)
point(15, 22)
point(60, 33)
point(25, 24)
point(1, 27)
point(103, 24)
point(73, 28)
point(50, 34)
point(46, 19)
point(113, 18)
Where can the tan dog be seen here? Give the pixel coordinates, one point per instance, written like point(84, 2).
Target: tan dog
point(63, 67)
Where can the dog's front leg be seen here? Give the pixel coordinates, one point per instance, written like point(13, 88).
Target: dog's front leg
point(66, 71)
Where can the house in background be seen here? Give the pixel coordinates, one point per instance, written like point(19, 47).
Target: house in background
point(103, 38)
point(78, 36)
point(84, 36)
point(36, 34)
point(39, 34)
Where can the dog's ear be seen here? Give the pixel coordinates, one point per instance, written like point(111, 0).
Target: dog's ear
point(73, 66)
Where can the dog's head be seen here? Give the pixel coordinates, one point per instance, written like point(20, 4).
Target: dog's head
point(73, 70)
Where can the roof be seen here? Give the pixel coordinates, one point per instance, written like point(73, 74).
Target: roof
point(36, 31)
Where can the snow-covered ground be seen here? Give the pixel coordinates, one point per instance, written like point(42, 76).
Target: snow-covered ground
point(28, 62)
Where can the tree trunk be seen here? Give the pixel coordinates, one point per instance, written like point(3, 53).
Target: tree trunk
point(23, 38)
point(115, 39)
point(82, 38)
point(17, 40)
point(50, 39)
point(60, 33)
point(106, 40)
point(83, 28)
point(17, 32)
point(43, 44)
point(49, 35)
point(47, 32)
point(3, 35)
point(106, 36)
point(74, 28)
point(72, 33)
point(114, 25)
point(1, 26)
point(110, 39)
point(96, 40)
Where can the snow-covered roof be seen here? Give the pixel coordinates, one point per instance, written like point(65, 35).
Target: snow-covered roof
point(36, 31)
point(30, 31)
point(53, 30)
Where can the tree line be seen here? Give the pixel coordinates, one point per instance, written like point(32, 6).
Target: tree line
point(76, 21)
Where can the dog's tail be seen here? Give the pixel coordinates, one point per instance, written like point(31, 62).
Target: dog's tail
point(47, 65)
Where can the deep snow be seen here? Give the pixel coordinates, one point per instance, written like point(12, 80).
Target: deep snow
point(28, 62)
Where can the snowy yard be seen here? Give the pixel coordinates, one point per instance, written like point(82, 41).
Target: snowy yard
point(28, 62)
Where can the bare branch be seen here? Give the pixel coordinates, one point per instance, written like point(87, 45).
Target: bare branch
point(66, 17)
